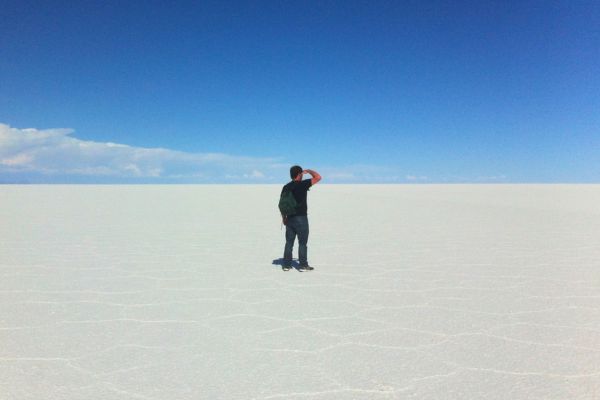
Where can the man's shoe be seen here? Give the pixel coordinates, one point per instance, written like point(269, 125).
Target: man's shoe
point(306, 267)
point(286, 264)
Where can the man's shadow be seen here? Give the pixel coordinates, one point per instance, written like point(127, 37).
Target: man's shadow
point(295, 264)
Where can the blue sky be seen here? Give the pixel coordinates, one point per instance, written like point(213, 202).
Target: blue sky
point(361, 91)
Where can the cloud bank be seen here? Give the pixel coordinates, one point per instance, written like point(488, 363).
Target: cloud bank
point(54, 155)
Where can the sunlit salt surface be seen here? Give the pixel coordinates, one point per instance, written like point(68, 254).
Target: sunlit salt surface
point(419, 292)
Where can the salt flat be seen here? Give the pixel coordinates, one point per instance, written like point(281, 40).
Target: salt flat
point(419, 292)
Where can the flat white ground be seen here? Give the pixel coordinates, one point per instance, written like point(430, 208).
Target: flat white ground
point(419, 292)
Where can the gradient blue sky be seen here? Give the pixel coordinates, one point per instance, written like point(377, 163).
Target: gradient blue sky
point(362, 91)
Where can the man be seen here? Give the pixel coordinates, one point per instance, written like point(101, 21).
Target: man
point(297, 224)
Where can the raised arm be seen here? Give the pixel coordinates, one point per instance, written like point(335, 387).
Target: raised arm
point(315, 175)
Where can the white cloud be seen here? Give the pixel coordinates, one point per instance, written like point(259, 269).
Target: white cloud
point(19, 159)
point(340, 176)
point(54, 153)
point(501, 178)
point(255, 174)
point(360, 173)
point(414, 178)
point(494, 178)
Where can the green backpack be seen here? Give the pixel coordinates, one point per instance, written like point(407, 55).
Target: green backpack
point(287, 203)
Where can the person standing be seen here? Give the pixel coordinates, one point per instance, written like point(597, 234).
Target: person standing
point(297, 224)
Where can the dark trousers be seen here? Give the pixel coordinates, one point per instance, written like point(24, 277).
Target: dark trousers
point(296, 226)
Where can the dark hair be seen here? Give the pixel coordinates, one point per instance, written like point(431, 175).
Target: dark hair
point(294, 171)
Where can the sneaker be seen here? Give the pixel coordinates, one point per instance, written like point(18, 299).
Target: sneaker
point(286, 267)
point(306, 267)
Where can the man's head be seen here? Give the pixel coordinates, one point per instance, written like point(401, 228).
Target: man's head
point(295, 171)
